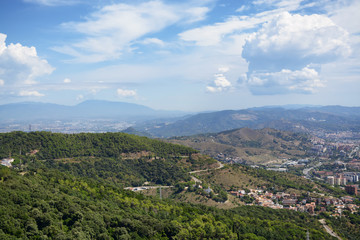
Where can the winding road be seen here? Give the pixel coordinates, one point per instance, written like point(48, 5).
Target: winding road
point(328, 229)
point(307, 170)
point(197, 171)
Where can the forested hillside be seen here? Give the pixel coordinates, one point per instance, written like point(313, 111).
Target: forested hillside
point(125, 159)
point(71, 186)
point(48, 145)
point(249, 145)
point(56, 205)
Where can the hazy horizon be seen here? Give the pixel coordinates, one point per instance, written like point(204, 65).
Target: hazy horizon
point(284, 106)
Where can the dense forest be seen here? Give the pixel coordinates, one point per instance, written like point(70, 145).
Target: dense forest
point(57, 205)
point(124, 159)
point(56, 145)
point(71, 186)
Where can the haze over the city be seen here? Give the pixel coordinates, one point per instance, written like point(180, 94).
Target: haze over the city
point(189, 55)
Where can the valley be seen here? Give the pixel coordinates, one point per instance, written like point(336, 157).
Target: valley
point(122, 170)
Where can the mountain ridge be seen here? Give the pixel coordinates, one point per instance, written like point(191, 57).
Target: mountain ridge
point(306, 120)
point(90, 109)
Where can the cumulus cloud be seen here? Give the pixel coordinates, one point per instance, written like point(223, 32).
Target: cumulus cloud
point(20, 65)
point(220, 83)
point(285, 81)
point(126, 93)
point(217, 33)
point(27, 93)
point(67, 80)
point(112, 29)
point(345, 14)
point(279, 53)
point(290, 41)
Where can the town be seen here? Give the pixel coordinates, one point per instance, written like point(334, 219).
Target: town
point(312, 205)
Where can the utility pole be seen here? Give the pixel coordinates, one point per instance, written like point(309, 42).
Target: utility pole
point(160, 193)
point(20, 156)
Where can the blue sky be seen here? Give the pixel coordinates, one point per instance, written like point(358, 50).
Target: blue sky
point(190, 55)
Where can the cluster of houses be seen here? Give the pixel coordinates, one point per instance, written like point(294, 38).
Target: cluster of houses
point(312, 205)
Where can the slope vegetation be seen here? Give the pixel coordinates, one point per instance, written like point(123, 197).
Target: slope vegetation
point(58, 205)
point(248, 145)
point(71, 187)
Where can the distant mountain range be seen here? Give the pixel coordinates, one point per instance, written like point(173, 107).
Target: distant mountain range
point(164, 124)
point(92, 109)
point(306, 119)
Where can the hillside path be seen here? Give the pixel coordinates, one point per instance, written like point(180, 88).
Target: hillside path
point(328, 229)
point(204, 170)
point(146, 187)
point(140, 188)
point(195, 179)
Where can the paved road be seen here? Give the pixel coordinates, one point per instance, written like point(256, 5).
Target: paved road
point(328, 229)
point(307, 170)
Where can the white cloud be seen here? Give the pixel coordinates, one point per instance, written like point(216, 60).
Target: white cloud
point(217, 33)
point(279, 53)
point(26, 93)
point(345, 14)
point(196, 14)
point(242, 8)
point(277, 40)
point(285, 81)
point(214, 34)
point(67, 80)
point(114, 28)
point(2, 82)
point(126, 93)
point(20, 65)
point(293, 41)
point(155, 41)
point(221, 83)
point(224, 69)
